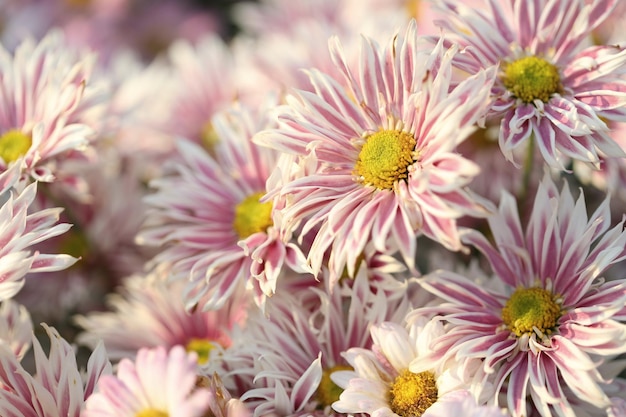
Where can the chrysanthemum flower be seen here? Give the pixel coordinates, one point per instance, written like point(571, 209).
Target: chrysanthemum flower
point(381, 383)
point(149, 311)
point(209, 219)
point(294, 350)
point(58, 388)
point(204, 85)
point(543, 335)
point(551, 85)
point(384, 143)
point(50, 101)
point(20, 229)
point(158, 383)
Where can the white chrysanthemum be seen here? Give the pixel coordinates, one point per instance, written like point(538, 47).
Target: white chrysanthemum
point(382, 384)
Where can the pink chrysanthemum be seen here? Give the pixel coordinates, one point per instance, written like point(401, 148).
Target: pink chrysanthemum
point(384, 144)
point(149, 311)
point(49, 104)
point(158, 383)
point(208, 218)
point(58, 388)
point(20, 230)
point(543, 335)
point(551, 84)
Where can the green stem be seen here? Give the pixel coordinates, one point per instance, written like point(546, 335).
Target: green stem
point(528, 170)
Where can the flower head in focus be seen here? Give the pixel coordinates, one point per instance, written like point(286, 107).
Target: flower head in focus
point(383, 142)
point(209, 219)
point(555, 319)
point(51, 104)
point(551, 85)
point(382, 384)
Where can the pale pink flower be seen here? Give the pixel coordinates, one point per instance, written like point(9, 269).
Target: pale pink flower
point(385, 172)
point(551, 85)
point(203, 83)
point(544, 334)
point(21, 229)
point(209, 221)
point(57, 388)
point(158, 382)
point(148, 311)
point(51, 105)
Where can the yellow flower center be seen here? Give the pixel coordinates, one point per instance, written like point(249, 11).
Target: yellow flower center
point(412, 394)
point(328, 392)
point(13, 145)
point(151, 412)
point(385, 158)
point(252, 216)
point(413, 8)
point(530, 310)
point(532, 78)
point(208, 137)
point(202, 347)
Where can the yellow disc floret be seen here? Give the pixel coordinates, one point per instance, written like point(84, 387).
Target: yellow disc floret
point(328, 392)
point(151, 412)
point(385, 158)
point(202, 347)
point(531, 310)
point(252, 216)
point(412, 394)
point(13, 145)
point(531, 78)
point(209, 137)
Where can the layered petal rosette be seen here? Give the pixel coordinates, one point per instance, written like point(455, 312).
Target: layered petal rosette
point(542, 336)
point(381, 383)
point(551, 84)
point(51, 104)
point(383, 139)
point(208, 219)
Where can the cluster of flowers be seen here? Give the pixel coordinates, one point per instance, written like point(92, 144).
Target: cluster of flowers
point(352, 207)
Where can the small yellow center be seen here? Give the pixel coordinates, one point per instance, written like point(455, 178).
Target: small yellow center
point(13, 145)
point(202, 347)
point(385, 158)
point(413, 8)
point(532, 78)
point(208, 137)
point(412, 394)
point(530, 310)
point(252, 216)
point(151, 412)
point(328, 392)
